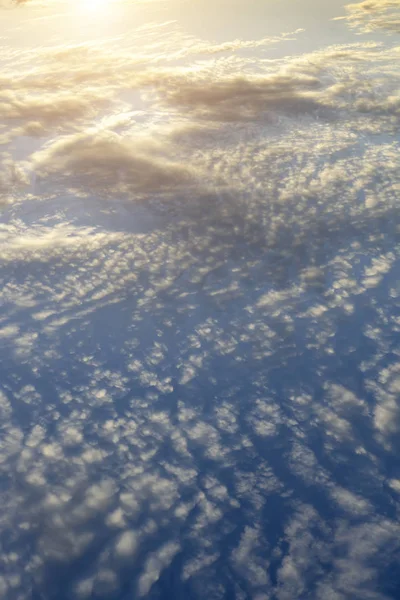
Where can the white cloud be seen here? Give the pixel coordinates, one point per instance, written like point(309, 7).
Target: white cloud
point(154, 566)
point(125, 546)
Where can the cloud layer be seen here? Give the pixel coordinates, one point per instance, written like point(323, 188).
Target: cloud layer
point(199, 257)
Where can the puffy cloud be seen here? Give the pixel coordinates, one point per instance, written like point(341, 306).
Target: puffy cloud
point(110, 164)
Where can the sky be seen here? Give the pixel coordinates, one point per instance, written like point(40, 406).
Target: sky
point(199, 300)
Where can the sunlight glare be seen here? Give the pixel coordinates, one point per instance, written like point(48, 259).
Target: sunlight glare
point(94, 6)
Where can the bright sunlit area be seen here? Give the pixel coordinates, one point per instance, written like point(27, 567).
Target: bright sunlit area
point(95, 6)
point(199, 300)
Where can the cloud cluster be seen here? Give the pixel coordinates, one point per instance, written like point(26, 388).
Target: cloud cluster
point(325, 84)
point(372, 15)
point(97, 142)
point(193, 379)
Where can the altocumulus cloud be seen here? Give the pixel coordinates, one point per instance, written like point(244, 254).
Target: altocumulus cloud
point(199, 392)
